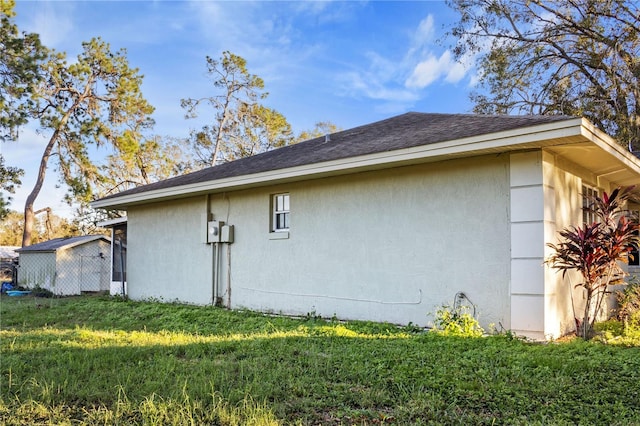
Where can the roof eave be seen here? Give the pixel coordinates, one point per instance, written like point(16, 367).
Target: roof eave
point(110, 223)
point(602, 157)
point(563, 132)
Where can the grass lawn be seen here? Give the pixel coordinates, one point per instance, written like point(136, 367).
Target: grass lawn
point(97, 360)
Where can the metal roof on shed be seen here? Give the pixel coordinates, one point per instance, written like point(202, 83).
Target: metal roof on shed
point(58, 243)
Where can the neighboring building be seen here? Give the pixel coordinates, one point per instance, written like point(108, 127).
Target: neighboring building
point(8, 261)
point(66, 266)
point(8, 253)
point(383, 222)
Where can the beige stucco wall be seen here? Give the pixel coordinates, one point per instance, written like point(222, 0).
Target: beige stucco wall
point(166, 256)
point(563, 181)
point(386, 245)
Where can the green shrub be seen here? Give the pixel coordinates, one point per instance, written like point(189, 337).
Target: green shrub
point(456, 321)
point(629, 303)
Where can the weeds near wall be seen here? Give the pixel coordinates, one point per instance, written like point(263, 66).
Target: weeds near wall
point(456, 321)
point(628, 312)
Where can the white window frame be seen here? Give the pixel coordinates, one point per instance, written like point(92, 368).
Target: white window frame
point(280, 212)
point(588, 192)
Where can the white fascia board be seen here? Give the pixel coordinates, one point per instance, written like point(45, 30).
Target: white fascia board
point(112, 222)
point(610, 146)
point(522, 138)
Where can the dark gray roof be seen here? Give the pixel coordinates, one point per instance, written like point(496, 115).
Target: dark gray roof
point(404, 131)
point(57, 243)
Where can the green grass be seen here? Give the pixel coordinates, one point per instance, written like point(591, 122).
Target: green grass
point(96, 360)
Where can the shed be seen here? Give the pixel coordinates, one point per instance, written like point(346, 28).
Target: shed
point(67, 266)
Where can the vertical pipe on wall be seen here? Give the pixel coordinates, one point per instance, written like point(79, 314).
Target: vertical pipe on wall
point(228, 276)
point(216, 272)
point(214, 266)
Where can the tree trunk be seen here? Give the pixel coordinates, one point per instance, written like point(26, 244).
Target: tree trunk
point(29, 215)
point(586, 319)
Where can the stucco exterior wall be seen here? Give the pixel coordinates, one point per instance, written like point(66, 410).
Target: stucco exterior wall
point(388, 245)
point(166, 256)
point(563, 181)
point(528, 219)
point(565, 192)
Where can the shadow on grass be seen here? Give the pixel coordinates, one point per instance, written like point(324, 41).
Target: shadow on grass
point(93, 356)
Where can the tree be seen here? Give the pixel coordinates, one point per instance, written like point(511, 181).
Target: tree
point(577, 57)
point(321, 128)
point(595, 250)
point(20, 56)
point(241, 125)
point(145, 162)
point(95, 100)
point(46, 227)
point(9, 178)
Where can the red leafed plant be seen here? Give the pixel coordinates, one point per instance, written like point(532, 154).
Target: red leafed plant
point(595, 250)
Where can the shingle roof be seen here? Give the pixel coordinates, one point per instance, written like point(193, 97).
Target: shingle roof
point(404, 131)
point(57, 243)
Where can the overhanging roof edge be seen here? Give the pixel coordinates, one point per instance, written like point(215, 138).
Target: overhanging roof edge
point(532, 135)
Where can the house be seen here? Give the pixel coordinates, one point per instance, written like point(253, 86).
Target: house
point(384, 222)
point(66, 266)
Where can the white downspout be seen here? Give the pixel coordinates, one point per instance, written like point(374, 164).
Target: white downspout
point(208, 215)
point(216, 271)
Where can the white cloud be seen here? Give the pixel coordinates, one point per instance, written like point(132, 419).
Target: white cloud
point(399, 81)
point(434, 68)
point(456, 72)
point(369, 85)
point(427, 71)
point(425, 32)
point(53, 21)
point(425, 66)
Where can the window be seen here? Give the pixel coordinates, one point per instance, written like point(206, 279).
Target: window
point(280, 217)
point(634, 255)
point(588, 193)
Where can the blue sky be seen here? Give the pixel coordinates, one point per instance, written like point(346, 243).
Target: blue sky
point(350, 62)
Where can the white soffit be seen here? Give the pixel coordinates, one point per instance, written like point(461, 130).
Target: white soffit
point(601, 155)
